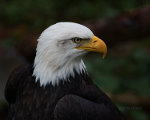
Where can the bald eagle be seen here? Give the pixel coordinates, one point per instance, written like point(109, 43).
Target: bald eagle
point(57, 85)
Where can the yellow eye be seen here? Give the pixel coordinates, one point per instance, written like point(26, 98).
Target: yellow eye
point(77, 40)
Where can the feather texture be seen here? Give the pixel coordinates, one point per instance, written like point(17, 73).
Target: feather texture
point(77, 99)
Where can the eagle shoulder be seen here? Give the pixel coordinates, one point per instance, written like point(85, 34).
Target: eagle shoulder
point(16, 77)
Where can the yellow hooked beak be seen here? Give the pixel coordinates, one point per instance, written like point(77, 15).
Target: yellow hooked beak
point(95, 45)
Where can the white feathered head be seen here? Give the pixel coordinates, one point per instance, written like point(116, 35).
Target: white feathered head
point(59, 51)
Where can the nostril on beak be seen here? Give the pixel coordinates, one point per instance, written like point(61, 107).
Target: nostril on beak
point(94, 41)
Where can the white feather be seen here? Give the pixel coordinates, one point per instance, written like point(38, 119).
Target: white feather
point(56, 56)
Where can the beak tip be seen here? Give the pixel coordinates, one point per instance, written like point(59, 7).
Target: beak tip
point(103, 57)
point(104, 53)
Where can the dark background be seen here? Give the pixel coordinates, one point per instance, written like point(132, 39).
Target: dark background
point(124, 25)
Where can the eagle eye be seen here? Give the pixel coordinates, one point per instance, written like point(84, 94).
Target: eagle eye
point(77, 40)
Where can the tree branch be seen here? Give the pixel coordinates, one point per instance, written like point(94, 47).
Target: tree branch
point(131, 25)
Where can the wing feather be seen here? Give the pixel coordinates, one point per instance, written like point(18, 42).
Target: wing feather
point(16, 77)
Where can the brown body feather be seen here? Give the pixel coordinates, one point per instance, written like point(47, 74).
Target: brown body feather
point(77, 99)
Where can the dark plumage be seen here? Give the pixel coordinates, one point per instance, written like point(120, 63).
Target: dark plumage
point(78, 99)
point(57, 86)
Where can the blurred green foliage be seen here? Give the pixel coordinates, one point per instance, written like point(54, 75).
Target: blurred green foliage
point(40, 13)
point(118, 73)
point(127, 72)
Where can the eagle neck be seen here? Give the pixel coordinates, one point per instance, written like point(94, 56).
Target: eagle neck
point(47, 73)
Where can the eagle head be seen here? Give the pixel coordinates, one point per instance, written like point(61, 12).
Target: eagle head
point(60, 49)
